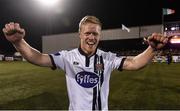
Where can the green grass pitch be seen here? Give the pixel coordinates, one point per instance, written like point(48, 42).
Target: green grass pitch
point(24, 86)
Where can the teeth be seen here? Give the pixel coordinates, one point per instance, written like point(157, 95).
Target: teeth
point(90, 43)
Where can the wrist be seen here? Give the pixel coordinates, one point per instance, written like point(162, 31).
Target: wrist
point(154, 49)
point(17, 42)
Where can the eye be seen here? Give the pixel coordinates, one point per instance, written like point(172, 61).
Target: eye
point(94, 33)
point(87, 33)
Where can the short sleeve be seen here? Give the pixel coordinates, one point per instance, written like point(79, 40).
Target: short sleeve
point(115, 61)
point(58, 60)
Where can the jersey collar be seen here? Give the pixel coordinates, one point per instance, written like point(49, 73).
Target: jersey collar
point(83, 53)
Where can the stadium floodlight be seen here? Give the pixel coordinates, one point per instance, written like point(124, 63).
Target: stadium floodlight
point(48, 3)
point(51, 6)
point(175, 40)
point(173, 28)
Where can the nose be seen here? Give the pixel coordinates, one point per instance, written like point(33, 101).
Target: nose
point(91, 36)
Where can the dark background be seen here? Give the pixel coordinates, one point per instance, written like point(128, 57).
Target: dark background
point(38, 21)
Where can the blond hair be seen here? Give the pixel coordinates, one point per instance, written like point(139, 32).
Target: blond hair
point(89, 19)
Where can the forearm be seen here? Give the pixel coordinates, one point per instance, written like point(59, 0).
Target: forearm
point(30, 54)
point(140, 60)
point(15, 34)
point(156, 42)
point(144, 58)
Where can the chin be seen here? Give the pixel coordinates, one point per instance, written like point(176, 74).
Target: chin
point(91, 48)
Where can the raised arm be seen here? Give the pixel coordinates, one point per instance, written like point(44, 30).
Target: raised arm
point(156, 42)
point(15, 34)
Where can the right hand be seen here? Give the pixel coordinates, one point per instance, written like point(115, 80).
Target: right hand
point(13, 32)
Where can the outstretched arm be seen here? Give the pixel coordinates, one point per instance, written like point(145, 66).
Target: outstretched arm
point(156, 41)
point(15, 34)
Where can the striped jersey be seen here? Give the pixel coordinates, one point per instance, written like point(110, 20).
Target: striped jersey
point(87, 78)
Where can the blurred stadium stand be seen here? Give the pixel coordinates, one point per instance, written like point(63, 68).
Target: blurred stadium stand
point(112, 39)
point(115, 40)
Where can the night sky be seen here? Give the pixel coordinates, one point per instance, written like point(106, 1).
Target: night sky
point(39, 21)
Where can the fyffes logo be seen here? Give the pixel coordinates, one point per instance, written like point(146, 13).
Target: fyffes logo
point(87, 79)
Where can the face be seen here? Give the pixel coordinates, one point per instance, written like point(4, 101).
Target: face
point(90, 35)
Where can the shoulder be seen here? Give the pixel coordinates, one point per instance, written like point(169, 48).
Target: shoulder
point(106, 55)
point(68, 52)
point(65, 53)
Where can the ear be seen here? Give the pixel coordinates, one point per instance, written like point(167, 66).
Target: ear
point(80, 36)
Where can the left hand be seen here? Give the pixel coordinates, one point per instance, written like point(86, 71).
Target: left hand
point(157, 41)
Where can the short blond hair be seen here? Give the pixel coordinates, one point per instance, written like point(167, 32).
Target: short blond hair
point(89, 19)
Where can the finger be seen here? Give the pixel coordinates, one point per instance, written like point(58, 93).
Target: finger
point(165, 40)
point(4, 30)
point(11, 25)
point(162, 38)
point(158, 38)
point(153, 34)
point(13, 28)
point(150, 38)
point(17, 27)
point(7, 26)
point(23, 31)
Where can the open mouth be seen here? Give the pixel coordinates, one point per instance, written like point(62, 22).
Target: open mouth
point(91, 43)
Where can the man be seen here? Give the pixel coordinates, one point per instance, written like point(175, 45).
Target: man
point(169, 57)
point(87, 68)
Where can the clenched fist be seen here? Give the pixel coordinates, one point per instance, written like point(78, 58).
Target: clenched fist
point(157, 41)
point(13, 32)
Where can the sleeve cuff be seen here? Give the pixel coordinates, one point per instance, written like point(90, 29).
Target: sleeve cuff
point(53, 63)
point(121, 65)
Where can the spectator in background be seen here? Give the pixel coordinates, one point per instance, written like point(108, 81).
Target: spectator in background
point(169, 58)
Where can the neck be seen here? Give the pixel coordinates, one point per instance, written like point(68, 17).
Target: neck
point(89, 53)
point(85, 52)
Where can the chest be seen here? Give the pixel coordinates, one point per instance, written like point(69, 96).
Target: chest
point(90, 64)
